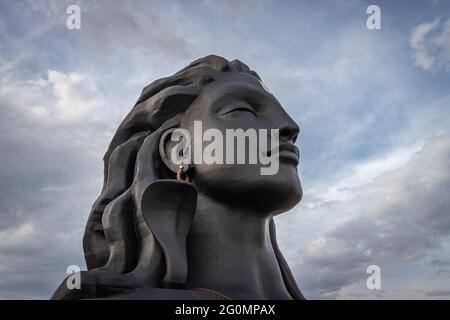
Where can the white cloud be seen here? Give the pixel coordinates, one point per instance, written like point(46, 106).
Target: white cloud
point(17, 237)
point(59, 97)
point(363, 174)
point(431, 44)
point(74, 94)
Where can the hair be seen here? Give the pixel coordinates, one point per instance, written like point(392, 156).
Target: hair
point(132, 162)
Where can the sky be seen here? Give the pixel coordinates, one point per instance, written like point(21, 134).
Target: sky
point(373, 107)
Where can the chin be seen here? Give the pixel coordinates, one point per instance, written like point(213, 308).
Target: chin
point(284, 195)
point(272, 194)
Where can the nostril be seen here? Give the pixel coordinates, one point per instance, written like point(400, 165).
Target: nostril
point(289, 133)
point(285, 132)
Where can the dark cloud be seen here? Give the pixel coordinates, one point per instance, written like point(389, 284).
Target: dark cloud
point(439, 294)
point(118, 25)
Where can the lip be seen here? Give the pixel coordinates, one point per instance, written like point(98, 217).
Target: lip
point(289, 152)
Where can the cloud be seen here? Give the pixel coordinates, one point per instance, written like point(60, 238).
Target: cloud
point(17, 237)
point(75, 97)
point(395, 216)
point(431, 44)
point(110, 26)
point(52, 138)
point(63, 93)
point(362, 174)
point(59, 97)
point(439, 294)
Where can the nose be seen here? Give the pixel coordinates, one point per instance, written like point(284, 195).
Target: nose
point(289, 131)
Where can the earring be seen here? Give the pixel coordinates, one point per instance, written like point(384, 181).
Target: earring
point(182, 173)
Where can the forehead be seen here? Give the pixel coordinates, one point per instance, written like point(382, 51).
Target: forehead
point(237, 85)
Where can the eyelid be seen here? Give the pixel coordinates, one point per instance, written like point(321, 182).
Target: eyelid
point(237, 107)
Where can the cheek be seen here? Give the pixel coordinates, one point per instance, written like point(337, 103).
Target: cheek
point(228, 174)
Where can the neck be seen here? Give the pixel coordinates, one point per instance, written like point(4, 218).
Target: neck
point(230, 250)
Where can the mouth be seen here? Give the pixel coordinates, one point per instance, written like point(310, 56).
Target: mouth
point(287, 152)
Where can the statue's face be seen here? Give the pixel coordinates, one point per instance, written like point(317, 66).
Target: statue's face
point(239, 101)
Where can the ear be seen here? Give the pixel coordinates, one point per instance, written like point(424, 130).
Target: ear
point(174, 148)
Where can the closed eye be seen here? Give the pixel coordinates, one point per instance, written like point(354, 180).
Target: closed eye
point(238, 109)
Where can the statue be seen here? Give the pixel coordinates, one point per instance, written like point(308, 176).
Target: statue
point(203, 231)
